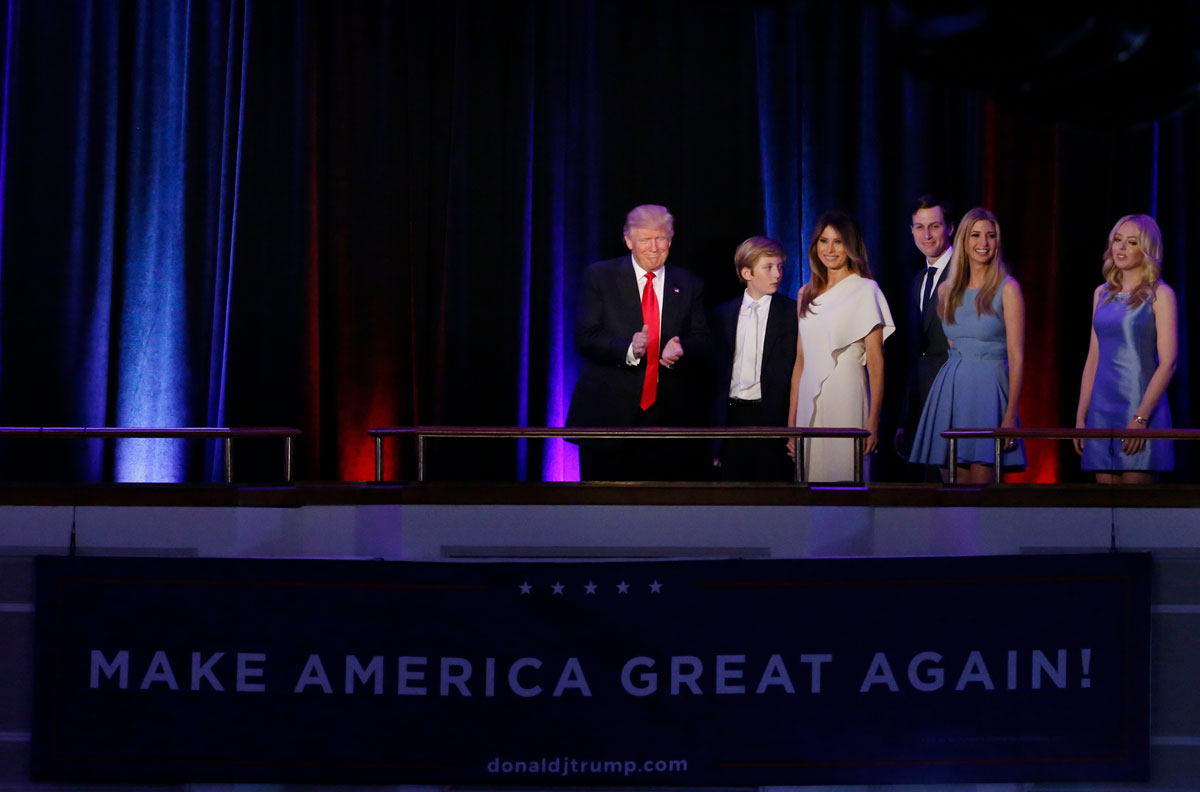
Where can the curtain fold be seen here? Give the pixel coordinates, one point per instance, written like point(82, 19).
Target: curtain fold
point(218, 64)
point(89, 259)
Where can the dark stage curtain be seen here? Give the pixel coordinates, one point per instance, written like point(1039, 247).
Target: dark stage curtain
point(339, 215)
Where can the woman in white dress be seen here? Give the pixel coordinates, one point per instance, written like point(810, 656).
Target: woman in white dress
point(844, 319)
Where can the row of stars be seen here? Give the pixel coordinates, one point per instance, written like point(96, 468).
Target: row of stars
point(559, 588)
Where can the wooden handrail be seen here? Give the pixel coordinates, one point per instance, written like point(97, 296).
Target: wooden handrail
point(225, 434)
point(616, 433)
point(999, 435)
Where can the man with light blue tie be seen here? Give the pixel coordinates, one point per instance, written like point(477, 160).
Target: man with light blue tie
point(754, 340)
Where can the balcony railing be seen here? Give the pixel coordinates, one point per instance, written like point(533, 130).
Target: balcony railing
point(226, 436)
point(423, 433)
point(1000, 435)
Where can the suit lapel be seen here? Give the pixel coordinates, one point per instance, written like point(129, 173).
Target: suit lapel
point(775, 318)
point(671, 310)
point(941, 278)
point(929, 315)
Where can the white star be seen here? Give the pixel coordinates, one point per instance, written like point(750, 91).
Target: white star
point(590, 588)
point(526, 588)
point(622, 587)
point(655, 587)
point(558, 587)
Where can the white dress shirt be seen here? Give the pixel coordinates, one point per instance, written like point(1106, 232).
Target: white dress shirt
point(660, 277)
point(745, 382)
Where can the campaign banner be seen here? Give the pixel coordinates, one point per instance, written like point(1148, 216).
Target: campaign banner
point(673, 673)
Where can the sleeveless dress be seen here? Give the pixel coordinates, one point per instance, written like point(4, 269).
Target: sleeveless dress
point(1128, 357)
point(970, 391)
point(833, 391)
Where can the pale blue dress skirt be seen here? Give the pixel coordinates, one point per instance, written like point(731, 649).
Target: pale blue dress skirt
point(970, 391)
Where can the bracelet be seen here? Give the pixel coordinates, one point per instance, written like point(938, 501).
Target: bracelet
point(1141, 420)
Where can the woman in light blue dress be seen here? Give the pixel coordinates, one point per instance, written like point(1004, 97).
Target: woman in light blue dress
point(1131, 357)
point(979, 386)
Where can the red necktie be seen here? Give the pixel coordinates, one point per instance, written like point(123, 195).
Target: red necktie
point(650, 319)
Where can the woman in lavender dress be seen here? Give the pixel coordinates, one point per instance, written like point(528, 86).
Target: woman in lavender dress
point(1131, 357)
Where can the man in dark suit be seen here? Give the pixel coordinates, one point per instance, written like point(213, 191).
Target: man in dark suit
point(644, 341)
point(933, 232)
point(754, 351)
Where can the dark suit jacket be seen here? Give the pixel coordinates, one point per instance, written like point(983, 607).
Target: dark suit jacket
point(608, 392)
point(929, 350)
point(778, 359)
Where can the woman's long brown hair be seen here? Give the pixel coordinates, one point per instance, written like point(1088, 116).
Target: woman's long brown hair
point(852, 243)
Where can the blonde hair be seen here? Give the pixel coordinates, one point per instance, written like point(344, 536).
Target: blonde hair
point(852, 243)
point(749, 252)
point(960, 269)
point(650, 216)
point(1149, 240)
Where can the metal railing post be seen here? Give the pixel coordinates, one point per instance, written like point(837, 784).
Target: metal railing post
point(801, 475)
point(999, 458)
point(858, 461)
point(953, 460)
point(378, 458)
point(287, 459)
point(421, 458)
point(227, 442)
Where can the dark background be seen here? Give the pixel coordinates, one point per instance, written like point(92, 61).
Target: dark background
point(339, 215)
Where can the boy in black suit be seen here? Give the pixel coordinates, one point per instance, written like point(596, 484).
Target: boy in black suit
point(754, 342)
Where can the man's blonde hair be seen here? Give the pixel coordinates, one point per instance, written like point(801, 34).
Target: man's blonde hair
point(650, 216)
point(749, 252)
